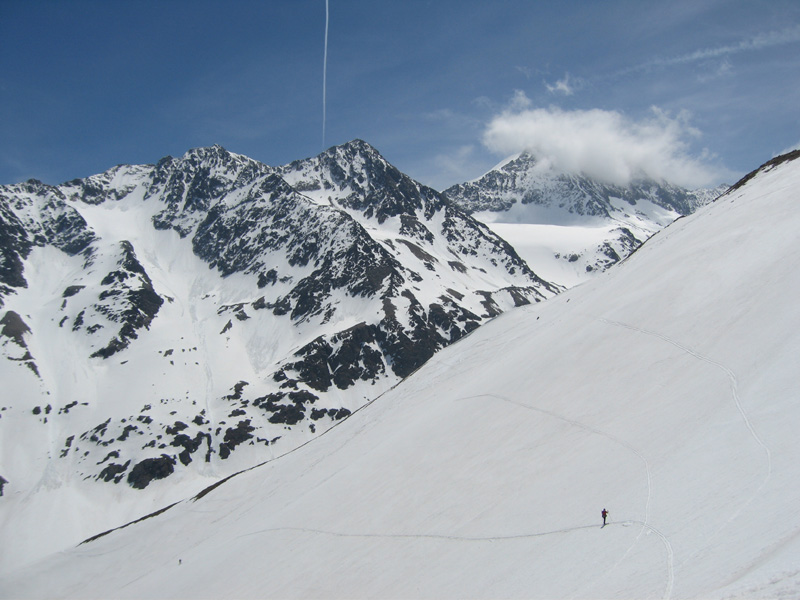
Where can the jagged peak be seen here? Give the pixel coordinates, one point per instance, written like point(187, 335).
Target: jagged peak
point(214, 154)
point(30, 186)
point(357, 146)
point(354, 160)
point(215, 150)
point(356, 150)
point(211, 156)
point(214, 159)
point(507, 161)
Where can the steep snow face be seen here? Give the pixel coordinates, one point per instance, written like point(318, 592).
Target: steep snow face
point(570, 226)
point(664, 390)
point(162, 326)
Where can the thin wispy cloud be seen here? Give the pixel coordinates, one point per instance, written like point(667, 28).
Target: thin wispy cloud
point(457, 163)
point(441, 114)
point(519, 102)
point(605, 145)
point(722, 69)
point(526, 71)
point(565, 86)
point(761, 41)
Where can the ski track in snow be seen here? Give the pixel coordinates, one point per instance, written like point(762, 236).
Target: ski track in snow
point(645, 525)
point(737, 401)
point(585, 427)
point(488, 538)
point(731, 377)
point(734, 390)
point(429, 536)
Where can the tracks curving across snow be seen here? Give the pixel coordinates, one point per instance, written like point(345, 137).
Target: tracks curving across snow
point(645, 525)
point(588, 428)
point(734, 385)
point(483, 538)
point(429, 536)
point(728, 372)
point(734, 393)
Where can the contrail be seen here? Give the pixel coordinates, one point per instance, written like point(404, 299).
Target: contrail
point(770, 39)
point(325, 76)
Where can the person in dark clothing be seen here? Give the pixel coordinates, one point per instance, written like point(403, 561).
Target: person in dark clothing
point(604, 514)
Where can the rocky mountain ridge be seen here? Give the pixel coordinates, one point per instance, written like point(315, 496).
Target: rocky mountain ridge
point(166, 316)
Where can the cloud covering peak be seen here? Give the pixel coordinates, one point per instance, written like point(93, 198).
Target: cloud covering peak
point(604, 145)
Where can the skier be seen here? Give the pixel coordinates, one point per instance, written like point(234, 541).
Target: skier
point(604, 514)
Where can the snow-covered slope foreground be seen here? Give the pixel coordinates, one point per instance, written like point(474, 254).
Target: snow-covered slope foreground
point(162, 326)
point(571, 226)
point(664, 390)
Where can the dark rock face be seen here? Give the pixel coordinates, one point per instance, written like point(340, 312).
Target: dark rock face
point(376, 188)
point(188, 186)
point(149, 469)
point(14, 328)
point(273, 220)
point(362, 182)
point(191, 445)
point(286, 408)
point(55, 223)
point(114, 472)
point(128, 298)
point(15, 245)
point(235, 436)
point(349, 356)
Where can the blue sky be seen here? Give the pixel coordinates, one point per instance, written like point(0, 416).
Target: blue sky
point(696, 92)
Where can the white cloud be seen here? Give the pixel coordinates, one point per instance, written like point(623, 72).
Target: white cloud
point(526, 71)
point(562, 86)
point(519, 101)
point(605, 145)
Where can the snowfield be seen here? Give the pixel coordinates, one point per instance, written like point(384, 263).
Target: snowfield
point(550, 247)
point(664, 390)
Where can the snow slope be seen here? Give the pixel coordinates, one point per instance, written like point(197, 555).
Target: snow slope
point(664, 390)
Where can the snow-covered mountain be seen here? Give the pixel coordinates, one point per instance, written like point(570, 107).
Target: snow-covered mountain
point(187, 319)
point(570, 226)
point(664, 390)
